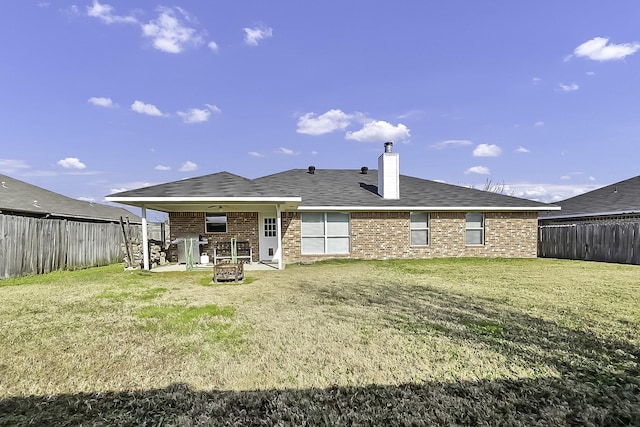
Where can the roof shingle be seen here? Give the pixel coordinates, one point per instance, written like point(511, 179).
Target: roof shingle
point(19, 196)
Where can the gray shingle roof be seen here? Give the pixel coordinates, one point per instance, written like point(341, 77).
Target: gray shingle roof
point(620, 197)
point(221, 184)
point(348, 187)
point(20, 197)
point(332, 188)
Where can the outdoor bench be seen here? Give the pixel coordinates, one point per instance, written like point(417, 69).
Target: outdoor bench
point(222, 251)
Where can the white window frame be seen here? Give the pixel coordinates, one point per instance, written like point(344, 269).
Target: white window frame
point(468, 228)
point(413, 228)
point(325, 235)
point(207, 215)
point(269, 227)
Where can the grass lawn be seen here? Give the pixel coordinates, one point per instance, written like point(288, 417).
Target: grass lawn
point(420, 342)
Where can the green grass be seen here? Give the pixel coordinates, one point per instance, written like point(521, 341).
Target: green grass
point(400, 342)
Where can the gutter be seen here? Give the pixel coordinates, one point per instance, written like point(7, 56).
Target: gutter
point(429, 208)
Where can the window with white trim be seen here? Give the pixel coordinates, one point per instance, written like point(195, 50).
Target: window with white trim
point(325, 233)
point(215, 222)
point(419, 228)
point(475, 228)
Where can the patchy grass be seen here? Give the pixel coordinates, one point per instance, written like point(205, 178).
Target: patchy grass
point(444, 342)
point(209, 324)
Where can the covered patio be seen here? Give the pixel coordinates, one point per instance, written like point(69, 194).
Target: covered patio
point(225, 207)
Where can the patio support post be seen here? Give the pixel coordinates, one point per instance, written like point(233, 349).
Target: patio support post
point(145, 239)
point(279, 235)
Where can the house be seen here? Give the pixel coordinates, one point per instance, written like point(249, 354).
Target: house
point(23, 199)
point(618, 202)
point(601, 225)
point(310, 214)
point(42, 231)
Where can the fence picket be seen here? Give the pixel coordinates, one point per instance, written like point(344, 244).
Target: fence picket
point(41, 245)
point(608, 242)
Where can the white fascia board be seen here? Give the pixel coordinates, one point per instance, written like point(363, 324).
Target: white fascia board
point(203, 199)
point(429, 208)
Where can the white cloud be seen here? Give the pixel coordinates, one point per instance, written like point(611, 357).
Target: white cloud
point(130, 186)
point(71, 163)
point(213, 46)
point(522, 150)
point(148, 109)
point(287, 151)
point(118, 190)
point(327, 122)
point(213, 108)
point(591, 178)
point(482, 170)
point(536, 80)
point(487, 150)
point(255, 154)
point(87, 199)
point(188, 167)
point(195, 115)
point(452, 143)
point(252, 36)
point(565, 177)
point(539, 124)
point(104, 12)
point(169, 33)
point(162, 168)
point(568, 88)
point(547, 193)
point(379, 130)
point(198, 115)
point(101, 102)
point(11, 166)
point(599, 49)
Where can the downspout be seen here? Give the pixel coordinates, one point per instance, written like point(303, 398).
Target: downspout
point(279, 235)
point(145, 239)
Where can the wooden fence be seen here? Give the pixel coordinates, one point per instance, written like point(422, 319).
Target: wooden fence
point(36, 245)
point(608, 242)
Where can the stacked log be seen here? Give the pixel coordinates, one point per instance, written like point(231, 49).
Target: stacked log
point(157, 254)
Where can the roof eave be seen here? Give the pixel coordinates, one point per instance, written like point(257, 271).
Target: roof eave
point(136, 201)
point(431, 208)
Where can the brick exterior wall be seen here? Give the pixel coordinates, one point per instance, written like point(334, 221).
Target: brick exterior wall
point(385, 235)
point(241, 225)
point(380, 235)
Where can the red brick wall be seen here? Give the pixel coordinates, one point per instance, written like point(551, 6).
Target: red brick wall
point(385, 235)
point(241, 225)
point(381, 235)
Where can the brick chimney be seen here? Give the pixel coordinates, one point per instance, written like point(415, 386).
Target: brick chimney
point(389, 173)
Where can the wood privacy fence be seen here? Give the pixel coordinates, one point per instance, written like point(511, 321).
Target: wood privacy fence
point(37, 245)
point(608, 242)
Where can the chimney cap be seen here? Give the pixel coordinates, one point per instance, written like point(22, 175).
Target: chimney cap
point(312, 169)
point(364, 170)
point(388, 147)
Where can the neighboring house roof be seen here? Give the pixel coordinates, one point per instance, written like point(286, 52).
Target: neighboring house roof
point(619, 198)
point(19, 197)
point(346, 189)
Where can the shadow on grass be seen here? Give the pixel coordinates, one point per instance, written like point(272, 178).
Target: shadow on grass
point(598, 382)
point(546, 401)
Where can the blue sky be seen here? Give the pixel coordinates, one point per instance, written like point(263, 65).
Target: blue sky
point(104, 96)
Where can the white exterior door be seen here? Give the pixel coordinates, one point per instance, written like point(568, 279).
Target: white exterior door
point(268, 237)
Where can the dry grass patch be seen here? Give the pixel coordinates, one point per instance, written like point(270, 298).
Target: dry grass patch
point(457, 341)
